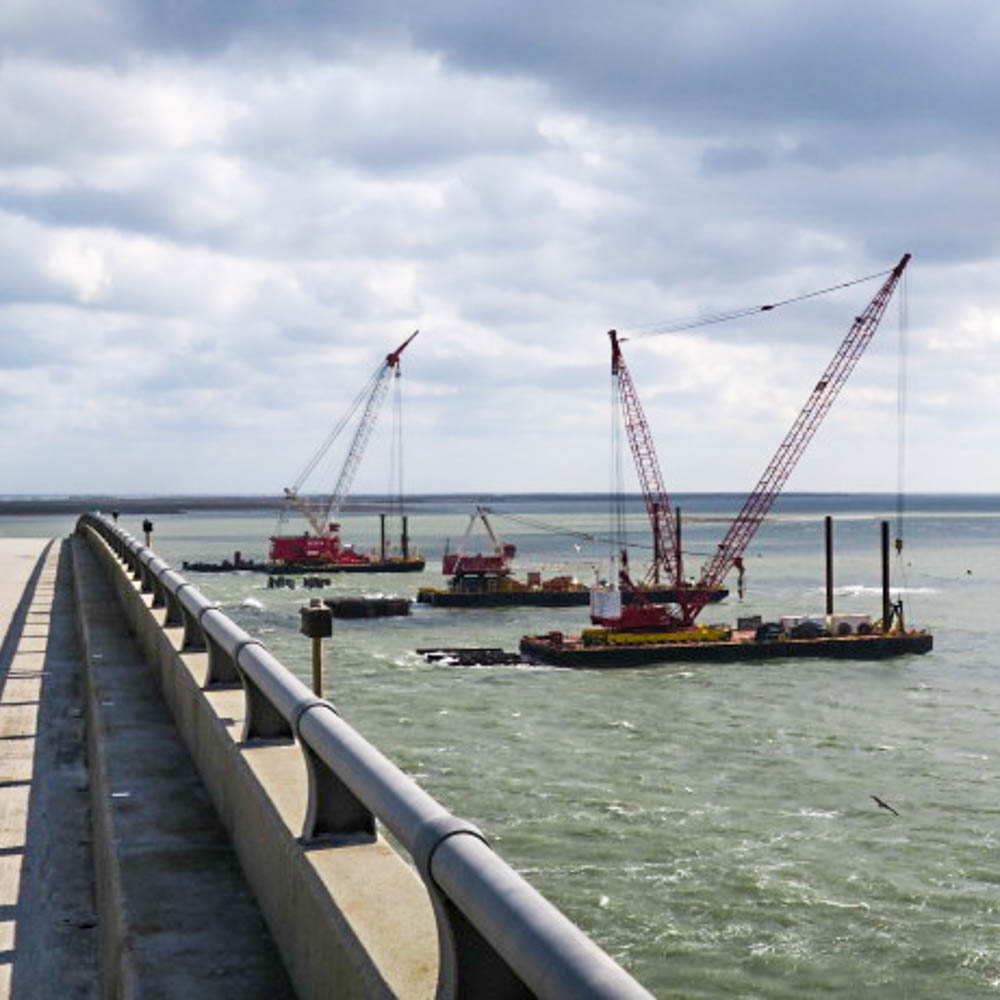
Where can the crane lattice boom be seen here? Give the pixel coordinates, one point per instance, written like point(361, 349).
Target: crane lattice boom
point(647, 465)
point(361, 435)
point(758, 503)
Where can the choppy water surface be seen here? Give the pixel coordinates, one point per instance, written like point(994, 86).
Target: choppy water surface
point(710, 826)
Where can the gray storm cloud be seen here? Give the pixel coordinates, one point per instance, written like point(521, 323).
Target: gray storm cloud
point(219, 216)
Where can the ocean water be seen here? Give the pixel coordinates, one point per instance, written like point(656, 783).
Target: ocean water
point(711, 826)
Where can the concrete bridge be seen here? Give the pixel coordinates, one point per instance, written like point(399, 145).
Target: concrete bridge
point(181, 816)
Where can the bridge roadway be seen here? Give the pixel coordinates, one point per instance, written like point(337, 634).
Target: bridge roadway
point(47, 913)
point(147, 849)
point(191, 924)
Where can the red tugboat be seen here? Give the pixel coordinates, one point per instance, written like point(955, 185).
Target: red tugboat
point(629, 633)
point(322, 548)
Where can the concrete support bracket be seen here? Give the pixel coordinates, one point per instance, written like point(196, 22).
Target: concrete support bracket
point(334, 813)
point(140, 556)
point(222, 672)
point(175, 613)
point(469, 965)
point(193, 607)
point(154, 574)
point(262, 722)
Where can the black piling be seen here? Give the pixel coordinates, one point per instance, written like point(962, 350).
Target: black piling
point(886, 604)
point(368, 607)
point(677, 542)
point(828, 532)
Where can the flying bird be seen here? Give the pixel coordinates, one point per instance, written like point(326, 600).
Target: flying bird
point(885, 805)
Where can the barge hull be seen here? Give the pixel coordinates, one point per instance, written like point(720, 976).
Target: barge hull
point(532, 598)
point(375, 566)
point(867, 647)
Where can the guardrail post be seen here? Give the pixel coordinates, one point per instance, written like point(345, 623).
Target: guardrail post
point(333, 812)
point(262, 722)
point(193, 605)
point(194, 637)
point(222, 671)
point(135, 562)
point(470, 968)
point(155, 570)
point(175, 612)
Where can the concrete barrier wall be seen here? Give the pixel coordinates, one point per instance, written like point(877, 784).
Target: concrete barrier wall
point(299, 792)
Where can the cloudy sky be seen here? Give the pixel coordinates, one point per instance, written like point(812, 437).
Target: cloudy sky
point(216, 218)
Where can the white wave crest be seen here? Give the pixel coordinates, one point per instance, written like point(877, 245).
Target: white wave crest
point(840, 905)
point(864, 590)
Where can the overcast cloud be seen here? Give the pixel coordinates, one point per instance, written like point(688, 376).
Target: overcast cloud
point(216, 218)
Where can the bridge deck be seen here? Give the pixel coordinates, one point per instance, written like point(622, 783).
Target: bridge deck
point(48, 919)
point(189, 924)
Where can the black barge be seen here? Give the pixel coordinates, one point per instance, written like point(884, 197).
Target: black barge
point(411, 564)
point(542, 597)
point(565, 651)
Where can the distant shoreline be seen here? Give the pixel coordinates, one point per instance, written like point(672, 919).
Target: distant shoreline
point(13, 505)
point(133, 505)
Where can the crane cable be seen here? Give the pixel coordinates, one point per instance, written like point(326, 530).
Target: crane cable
point(655, 330)
point(318, 455)
point(338, 428)
point(395, 491)
point(617, 531)
point(901, 407)
point(586, 536)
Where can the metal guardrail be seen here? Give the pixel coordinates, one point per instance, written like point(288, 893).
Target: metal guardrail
point(498, 936)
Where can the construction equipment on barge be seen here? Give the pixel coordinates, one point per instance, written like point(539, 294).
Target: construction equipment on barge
point(828, 636)
point(322, 549)
point(641, 631)
point(479, 580)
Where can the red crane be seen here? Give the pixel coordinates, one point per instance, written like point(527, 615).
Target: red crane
point(324, 547)
point(667, 556)
point(729, 553)
point(497, 564)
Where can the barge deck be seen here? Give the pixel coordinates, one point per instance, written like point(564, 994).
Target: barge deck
point(565, 651)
